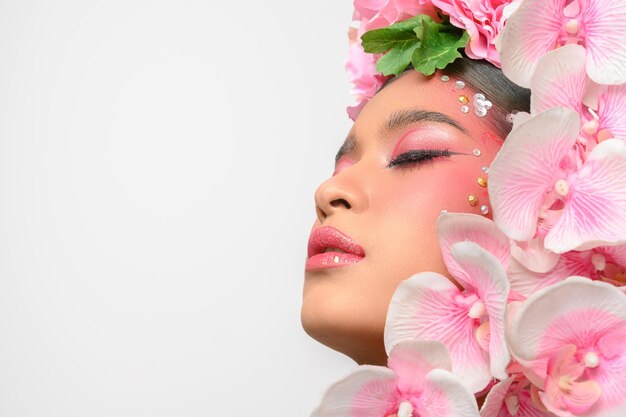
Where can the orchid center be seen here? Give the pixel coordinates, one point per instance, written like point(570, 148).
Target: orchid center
point(405, 409)
point(591, 359)
point(566, 383)
point(561, 187)
point(599, 261)
point(591, 127)
point(572, 26)
point(477, 310)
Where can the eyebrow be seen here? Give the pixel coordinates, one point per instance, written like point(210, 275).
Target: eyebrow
point(402, 119)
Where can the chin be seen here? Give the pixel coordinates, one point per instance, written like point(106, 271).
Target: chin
point(344, 325)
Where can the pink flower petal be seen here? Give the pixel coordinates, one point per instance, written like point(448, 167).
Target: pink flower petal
point(530, 32)
point(495, 399)
point(427, 307)
point(559, 80)
point(611, 105)
point(605, 40)
point(484, 273)
point(571, 263)
point(446, 395)
point(527, 167)
point(412, 360)
point(370, 391)
point(459, 227)
point(551, 318)
point(579, 400)
point(594, 212)
point(533, 255)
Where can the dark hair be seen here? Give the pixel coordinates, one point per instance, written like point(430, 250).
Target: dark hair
point(484, 77)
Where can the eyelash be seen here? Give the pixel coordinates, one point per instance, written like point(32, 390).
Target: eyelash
point(417, 156)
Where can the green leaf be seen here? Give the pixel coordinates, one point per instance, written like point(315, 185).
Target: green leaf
point(395, 61)
point(399, 35)
point(439, 47)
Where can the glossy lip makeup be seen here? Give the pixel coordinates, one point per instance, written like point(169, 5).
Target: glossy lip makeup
point(329, 248)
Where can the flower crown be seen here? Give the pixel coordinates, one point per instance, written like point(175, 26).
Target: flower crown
point(540, 322)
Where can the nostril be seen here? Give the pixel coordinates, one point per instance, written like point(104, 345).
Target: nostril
point(340, 202)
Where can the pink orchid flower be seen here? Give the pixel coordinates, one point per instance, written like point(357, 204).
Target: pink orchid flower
point(561, 80)
point(537, 178)
point(539, 26)
point(571, 334)
point(512, 397)
point(468, 321)
point(416, 382)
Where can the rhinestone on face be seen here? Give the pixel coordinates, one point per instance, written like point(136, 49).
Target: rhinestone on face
point(443, 212)
point(464, 109)
point(459, 85)
point(484, 209)
point(482, 182)
point(479, 96)
point(485, 169)
point(476, 152)
point(480, 111)
point(464, 99)
point(445, 78)
point(472, 200)
point(510, 117)
point(487, 104)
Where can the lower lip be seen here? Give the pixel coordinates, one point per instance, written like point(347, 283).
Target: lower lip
point(331, 260)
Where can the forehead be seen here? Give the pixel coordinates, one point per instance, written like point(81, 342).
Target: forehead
point(413, 90)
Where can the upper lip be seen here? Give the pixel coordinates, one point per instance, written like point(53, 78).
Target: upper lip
point(329, 237)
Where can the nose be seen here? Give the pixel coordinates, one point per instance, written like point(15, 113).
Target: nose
point(343, 192)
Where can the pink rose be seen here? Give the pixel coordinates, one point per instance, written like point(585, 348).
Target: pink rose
point(361, 66)
point(483, 20)
point(375, 14)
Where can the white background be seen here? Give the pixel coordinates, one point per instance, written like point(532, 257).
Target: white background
point(158, 161)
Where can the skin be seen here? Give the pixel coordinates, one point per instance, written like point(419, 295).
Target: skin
point(391, 212)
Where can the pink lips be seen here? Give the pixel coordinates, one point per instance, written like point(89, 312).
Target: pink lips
point(329, 237)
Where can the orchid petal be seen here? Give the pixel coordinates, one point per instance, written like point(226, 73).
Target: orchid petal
point(495, 399)
point(484, 273)
point(370, 391)
point(460, 227)
point(530, 32)
point(571, 263)
point(533, 331)
point(579, 400)
point(594, 212)
point(560, 80)
point(605, 40)
point(425, 307)
point(611, 114)
point(534, 256)
point(527, 167)
point(412, 360)
point(446, 395)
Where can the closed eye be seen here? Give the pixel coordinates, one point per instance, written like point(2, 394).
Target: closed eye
point(418, 155)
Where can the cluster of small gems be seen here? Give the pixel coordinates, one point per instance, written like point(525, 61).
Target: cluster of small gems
point(481, 105)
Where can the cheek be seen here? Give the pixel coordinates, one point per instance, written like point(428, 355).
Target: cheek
point(419, 195)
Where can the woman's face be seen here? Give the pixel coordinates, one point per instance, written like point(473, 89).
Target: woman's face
point(385, 204)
